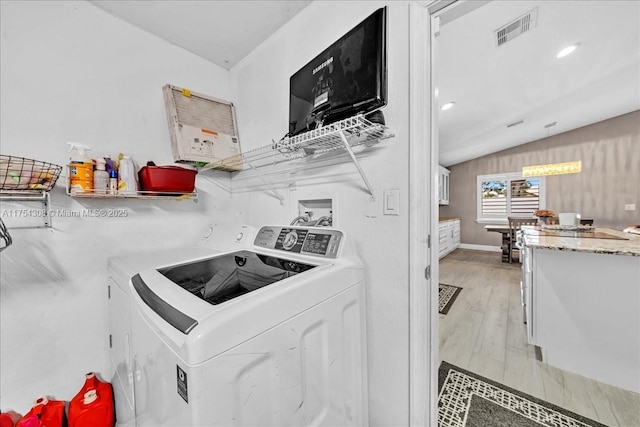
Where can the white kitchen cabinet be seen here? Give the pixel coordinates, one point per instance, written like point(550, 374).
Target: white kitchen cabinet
point(583, 312)
point(526, 292)
point(448, 236)
point(455, 233)
point(444, 231)
point(443, 185)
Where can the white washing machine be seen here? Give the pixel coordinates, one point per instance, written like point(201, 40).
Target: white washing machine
point(262, 329)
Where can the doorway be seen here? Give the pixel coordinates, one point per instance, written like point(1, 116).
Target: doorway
point(489, 337)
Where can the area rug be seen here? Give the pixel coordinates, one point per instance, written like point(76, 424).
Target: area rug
point(447, 295)
point(470, 400)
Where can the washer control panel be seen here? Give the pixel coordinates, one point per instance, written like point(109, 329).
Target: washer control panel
point(305, 241)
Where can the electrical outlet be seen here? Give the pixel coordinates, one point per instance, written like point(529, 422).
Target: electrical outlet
point(630, 207)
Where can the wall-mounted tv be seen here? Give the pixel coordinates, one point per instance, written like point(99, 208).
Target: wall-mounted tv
point(348, 78)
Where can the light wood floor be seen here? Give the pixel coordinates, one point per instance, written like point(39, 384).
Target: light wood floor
point(483, 333)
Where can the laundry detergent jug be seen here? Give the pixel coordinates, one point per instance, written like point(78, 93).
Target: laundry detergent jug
point(93, 405)
point(50, 413)
point(80, 169)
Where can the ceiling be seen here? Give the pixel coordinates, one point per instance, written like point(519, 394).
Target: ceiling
point(222, 32)
point(522, 79)
point(491, 86)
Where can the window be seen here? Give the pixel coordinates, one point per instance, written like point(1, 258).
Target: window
point(503, 195)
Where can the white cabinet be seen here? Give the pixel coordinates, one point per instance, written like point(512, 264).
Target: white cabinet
point(583, 311)
point(443, 185)
point(455, 233)
point(444, 240)
point(448, 236)
point(526, 292)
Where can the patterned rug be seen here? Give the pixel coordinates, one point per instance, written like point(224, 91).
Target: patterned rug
point(447, 295)
point(469, 400)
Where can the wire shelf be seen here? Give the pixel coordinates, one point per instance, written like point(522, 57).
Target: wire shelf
point(21, 174)
point(355, 130)
point(146, 195)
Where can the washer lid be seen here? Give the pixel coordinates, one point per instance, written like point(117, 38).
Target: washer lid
point(171, 315)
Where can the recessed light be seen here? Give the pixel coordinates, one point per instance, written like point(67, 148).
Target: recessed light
point(566, 51)
point(447, 106)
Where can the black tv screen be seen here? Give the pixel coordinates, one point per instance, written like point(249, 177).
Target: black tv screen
point(348, 78)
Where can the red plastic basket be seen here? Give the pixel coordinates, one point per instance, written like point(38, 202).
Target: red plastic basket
point(167, 179)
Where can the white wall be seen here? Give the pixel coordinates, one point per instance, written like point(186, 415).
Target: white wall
point(71, 72)
point(260, 85)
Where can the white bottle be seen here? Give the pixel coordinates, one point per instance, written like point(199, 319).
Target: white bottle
point(127, 177)
point(100, 178)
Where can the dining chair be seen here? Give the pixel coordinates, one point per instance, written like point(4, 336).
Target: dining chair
point(514, 226)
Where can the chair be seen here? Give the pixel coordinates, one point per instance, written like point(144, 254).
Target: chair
point(514, 225)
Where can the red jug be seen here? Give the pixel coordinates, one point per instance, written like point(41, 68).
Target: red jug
point(9, 418)
point(93, 405)
point(49, 413)
point(29, 421)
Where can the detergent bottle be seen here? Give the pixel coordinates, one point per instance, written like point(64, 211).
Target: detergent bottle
point(127, 182)
point(80, 169)
point(49, 413)
point(92, 406)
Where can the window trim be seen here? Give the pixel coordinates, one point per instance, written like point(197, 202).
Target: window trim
point(510, 176)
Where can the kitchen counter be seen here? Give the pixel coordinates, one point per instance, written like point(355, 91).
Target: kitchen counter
point(581, 297)
point(444, 219)
point(535, 238)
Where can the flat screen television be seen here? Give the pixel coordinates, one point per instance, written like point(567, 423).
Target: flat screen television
point(348, 78)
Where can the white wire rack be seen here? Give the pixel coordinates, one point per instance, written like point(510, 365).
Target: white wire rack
point(356, 130)
point(342, 135)
point(39, 196)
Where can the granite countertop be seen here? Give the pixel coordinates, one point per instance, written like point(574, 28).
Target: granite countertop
point(444, 218)
point(534, 239)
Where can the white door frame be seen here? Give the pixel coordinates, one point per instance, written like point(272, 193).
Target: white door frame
point(424, 361)
point(423, 261)
point(424, 27)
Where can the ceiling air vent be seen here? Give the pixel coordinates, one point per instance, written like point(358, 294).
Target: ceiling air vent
point(513, 29)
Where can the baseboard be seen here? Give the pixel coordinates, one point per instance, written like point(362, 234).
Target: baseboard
point(485, 248)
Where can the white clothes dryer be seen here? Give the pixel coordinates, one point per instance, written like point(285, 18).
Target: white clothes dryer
point(267, 331)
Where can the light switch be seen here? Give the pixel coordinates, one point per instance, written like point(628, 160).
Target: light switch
point(391, 202)
point(630, 207)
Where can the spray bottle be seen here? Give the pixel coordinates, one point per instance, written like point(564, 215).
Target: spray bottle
point(80, 169)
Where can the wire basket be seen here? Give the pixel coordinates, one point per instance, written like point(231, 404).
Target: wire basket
point(21, 174)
